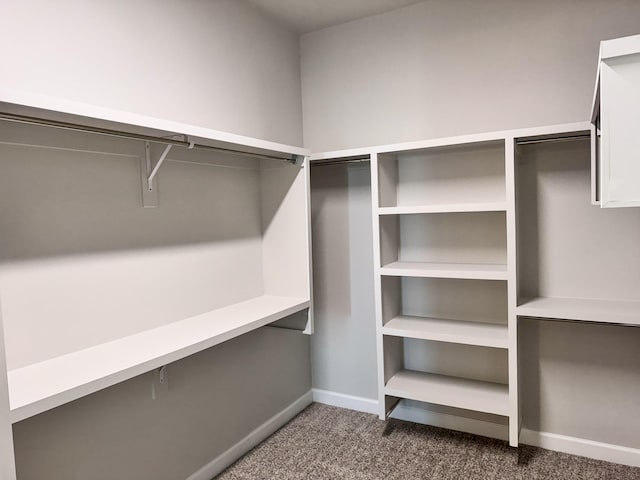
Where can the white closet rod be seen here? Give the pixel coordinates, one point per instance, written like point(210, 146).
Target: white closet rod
point(294, 159)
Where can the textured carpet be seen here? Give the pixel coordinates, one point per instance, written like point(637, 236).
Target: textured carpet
point(332, 443)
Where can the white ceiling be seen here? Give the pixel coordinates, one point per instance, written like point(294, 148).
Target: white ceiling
point(303, 16)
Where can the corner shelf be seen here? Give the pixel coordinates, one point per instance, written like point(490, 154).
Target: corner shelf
point(444, 208)
point(451, 331)
point(473, 271)
point(39, 387)
point(586, 310)
point(455, 392)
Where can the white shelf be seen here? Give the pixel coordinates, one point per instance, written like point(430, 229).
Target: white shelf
point(472, 271)
point(602, 311)
point(44, 106)
point(451, 331)
point(444, 208)
point(451, 391)
point(42, 386)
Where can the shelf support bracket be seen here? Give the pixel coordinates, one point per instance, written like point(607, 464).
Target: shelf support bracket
point(148, 174)
point(159, 163)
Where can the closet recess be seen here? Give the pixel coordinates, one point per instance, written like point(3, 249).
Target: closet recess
point(575, 261)
point(253, 235)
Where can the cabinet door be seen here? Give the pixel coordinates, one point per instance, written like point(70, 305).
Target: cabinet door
point(620, 129)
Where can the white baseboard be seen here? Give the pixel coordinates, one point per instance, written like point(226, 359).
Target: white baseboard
point(452, 422)
point(582, 447)
point(550, 441)
point(265, 430)
point(359, 404)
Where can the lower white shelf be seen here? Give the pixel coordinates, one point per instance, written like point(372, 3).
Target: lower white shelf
point(452, 331)
point(444, 208)
point(586, 310)
point(451, 391)
point(480, 271)
point(46, 385)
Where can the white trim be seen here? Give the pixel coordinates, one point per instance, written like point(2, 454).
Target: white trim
point(261, 433)
point(618, 47)
point(582, 447)
point(342, 400)
point(551, 441)
point(449, 141)
point(451, 422)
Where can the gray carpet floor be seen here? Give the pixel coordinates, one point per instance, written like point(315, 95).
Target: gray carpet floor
point(332, 443)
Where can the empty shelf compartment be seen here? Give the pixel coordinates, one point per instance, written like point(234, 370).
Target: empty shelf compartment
point(451, 391)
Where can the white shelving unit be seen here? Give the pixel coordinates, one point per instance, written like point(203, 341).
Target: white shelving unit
point(249, 253)
point(442, 263)
point(453, 254)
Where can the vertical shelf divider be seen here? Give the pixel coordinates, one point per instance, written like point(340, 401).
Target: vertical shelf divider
point(375, 202)
point(512, 291)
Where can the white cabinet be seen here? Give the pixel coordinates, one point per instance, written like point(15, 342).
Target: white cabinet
point(616, 116)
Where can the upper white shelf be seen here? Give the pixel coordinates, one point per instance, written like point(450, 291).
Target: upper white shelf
point(445, 208)
point(451, 391)
point(480, 271)
point(445, 330)
point(60, 109)
point(602, 311)
point(562, 128)
point(45, 385)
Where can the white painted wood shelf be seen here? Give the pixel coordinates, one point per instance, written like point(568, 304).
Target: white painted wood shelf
point(451, 391)
point(586, 310)
point(473, 271)
point(451, 331)
point(61, 109)
point(45, 385)
point(444, 208)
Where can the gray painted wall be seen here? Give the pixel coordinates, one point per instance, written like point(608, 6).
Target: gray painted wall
point(219, 64)
point(215, 398)
point(447, 68)
point(344, 343)
point(443, 68)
